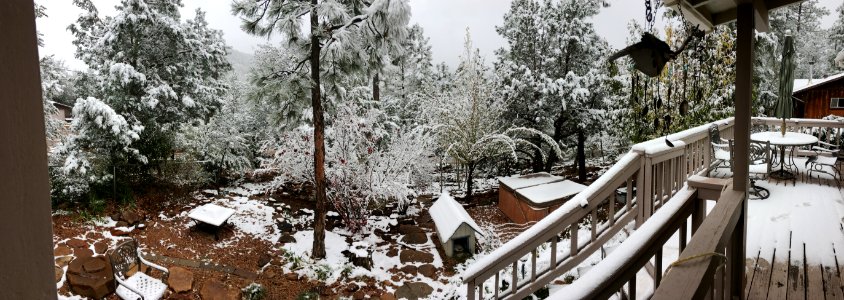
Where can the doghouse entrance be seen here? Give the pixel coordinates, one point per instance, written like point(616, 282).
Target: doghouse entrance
point(461, 246)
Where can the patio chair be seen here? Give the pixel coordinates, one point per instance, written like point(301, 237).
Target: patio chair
point(824, 160)
point(758, 169)
point(139, 286)
point(720, 150)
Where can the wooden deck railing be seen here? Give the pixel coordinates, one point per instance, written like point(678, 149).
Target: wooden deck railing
point(581, 227)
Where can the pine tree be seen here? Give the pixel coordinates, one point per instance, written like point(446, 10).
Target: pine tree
point(549, 70)
point(338, 33)
point(150, 70)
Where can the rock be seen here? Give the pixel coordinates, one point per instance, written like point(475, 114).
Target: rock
point(215, 290)
point(415, 238)
point(414, 290)
point(264, 260)
point(93, 265)
point(131, 216)
point(411, 256)
point(409, 269)
point(408, 229)
point(392, 252)
point(59, 273)
point(285, 227)
point(359, 295)
point(82, 252)
point(62, 251)
point(406, 221)
point(121, 224)
point(373, 294)
point(63, 261)
point(284, 239)
point(387, 296)
point(90, 277)
point(180, 279)
point(77, 243)
point(291, 276)
point(101, 247)
point(117, 232)
point(428, 270)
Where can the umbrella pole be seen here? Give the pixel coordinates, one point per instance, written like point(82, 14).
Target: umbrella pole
point(782, 128)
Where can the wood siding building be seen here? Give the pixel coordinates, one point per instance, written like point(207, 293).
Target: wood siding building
point(821, 98)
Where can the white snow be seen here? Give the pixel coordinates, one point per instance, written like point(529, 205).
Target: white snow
point(790, 138)
point(252, 217)
point(448, 215)
point(518, 182)
point(550, 192)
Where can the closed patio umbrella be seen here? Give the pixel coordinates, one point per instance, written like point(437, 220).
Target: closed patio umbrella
point(785, 104)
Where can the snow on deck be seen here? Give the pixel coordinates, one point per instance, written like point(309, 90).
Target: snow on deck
point(551, 192)
point(518, 182)
point(448, 215)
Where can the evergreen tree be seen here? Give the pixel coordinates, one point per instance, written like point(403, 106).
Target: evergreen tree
point(336, 44)
point(150, 73)
point(551, 71)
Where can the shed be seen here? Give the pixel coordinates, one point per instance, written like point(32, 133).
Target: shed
point(531, 197)
point(820, 98)
point(455, 227)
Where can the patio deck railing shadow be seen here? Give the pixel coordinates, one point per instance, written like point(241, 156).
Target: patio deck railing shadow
point(662, 204)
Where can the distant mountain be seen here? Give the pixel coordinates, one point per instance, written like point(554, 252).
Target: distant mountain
point(241, 62)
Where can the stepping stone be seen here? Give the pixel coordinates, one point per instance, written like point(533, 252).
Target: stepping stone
point(415, 238)
point(77, 243)
point(59, 273)
point(62, 251)
point(101, 247)
point(408, 229)
point(412, 256)
point(428, 270)
point(414, 291)
point(215, 290)
point(180, 279)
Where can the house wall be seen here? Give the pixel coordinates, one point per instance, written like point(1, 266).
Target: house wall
point(816, 101)
point(26, 251)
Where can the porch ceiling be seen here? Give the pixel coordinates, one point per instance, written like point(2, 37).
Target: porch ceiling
point(711, 13)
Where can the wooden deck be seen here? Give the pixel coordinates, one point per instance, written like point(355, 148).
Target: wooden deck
point(790, 277)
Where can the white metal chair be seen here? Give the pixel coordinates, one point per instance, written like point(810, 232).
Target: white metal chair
point(824, 161)
point(759, 167)
point(138, 285)
point(720, 150)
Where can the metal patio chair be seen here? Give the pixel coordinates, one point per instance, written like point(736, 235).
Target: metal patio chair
point(825, 160)
point(720, 150)
point(139, 285)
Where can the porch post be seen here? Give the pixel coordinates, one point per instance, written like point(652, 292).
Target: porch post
point(745, 23)
point(26, 251)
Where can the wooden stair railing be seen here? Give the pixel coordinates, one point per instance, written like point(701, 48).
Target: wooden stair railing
point(535, 258)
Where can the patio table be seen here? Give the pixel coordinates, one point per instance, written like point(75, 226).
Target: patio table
point(211, 214)
point(790, 139)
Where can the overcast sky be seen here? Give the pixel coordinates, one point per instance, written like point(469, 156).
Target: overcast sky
point(444, 21)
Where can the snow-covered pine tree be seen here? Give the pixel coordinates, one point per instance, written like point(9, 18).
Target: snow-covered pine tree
point(548, 68)
point(338, 33)
point(150, 73)
point(836, 35)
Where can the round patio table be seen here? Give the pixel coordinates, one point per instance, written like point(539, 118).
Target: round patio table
point(790, 139)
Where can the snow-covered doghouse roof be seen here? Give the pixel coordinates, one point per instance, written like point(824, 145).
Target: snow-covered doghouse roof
point(448, 215)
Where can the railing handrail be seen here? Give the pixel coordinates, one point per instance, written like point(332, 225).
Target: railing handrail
point(612, 273)
point(540, 233)
point(689, 280)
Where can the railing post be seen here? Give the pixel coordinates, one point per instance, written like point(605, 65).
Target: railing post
point(643, 188)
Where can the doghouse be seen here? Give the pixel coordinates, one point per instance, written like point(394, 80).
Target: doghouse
point(455, 227)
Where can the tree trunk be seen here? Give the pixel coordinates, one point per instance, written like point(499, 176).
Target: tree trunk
point(376, 89)
point(581, 156)
point(558, 135)
point(470, 170)
point(318, 251)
